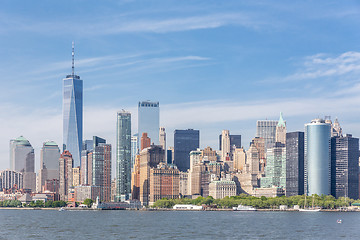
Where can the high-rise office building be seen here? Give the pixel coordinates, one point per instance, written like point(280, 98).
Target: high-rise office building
point(86, 162)
point(149, 158)
point(225, 145)
point(11, 179)
point(317, 157)
point(253, 160)
point(148, 120)
point(344, 166)
point(145, 141)
point(162, 140)
point(73, 114)
point(101, 168)
point(123, 156)
point(275, 169)
point(294, 163)
point(235, 140)
point(76, 176)
point(65, 174)
point(134, 149)
point(49, 163)
point(266, 129)
point(22, 159)
point(185, 141)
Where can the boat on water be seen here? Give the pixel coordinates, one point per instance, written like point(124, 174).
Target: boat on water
point(62, 209)
point(307, 209)
point(244, 208)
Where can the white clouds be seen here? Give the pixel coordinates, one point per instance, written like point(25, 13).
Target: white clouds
point(117, 24)
point(322, 65)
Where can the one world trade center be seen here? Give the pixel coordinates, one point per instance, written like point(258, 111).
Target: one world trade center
point(73, 114)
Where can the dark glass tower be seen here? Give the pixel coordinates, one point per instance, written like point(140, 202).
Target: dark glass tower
point(73, 114)
point(344, 167)
point(294, 163)
point(185, 141)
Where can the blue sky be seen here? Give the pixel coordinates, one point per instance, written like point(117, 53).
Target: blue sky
point(212, 65)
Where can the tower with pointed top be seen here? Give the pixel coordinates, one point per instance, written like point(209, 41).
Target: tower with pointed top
point(281, 130)
point(73, 113)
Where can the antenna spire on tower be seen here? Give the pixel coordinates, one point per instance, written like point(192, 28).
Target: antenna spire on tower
point(73, 55)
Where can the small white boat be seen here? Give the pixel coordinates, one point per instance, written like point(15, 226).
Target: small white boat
point(62, 209)
point(244, 208)
point(309, 209)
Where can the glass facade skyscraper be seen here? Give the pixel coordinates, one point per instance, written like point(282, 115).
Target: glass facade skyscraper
point(49, 162)
point(73, 115)
point(294, 163)
point(22, 159)
point(101, 168)
point(275, 170)
point(344, 167)
point(123, 156)
point(317, 157)
point(266, 129)
point(148, 120)
point(185, 141)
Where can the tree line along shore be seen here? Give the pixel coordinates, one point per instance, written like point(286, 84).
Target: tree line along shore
point(324, 202)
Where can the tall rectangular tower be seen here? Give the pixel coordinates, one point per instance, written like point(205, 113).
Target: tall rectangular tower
point(185, 141)
point(148, 120)
point(294, 163)
point(49, 162)
point(123, 156)
point(344, 167)
point(73, 114)
point(266, 129)
point(22, 159)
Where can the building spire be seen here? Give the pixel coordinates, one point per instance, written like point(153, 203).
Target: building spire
point(73, 62)
point(281, 121)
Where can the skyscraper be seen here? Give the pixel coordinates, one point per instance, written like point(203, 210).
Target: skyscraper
point(185, 141)
point(101, 168)
point(149, 158)
point(123, 156)
point(49, 162)
point(134, 149)
point(294, 163)
point(145, 141)
point(22, 159)
point(275, 170)
point(148, 120)
point(225, 145)
point(235, 140)
point(317, 157)
point(344, 166)
point(73, 114)
point(266, 129)
point(65, 174)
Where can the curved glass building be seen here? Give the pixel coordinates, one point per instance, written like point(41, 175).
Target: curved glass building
point(317, 157)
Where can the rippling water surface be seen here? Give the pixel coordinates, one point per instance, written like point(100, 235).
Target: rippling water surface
point(48, 224)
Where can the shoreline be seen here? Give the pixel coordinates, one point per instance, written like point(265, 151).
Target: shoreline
point(170, 209)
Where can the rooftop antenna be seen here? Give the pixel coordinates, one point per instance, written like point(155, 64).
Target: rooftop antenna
point(73, 55)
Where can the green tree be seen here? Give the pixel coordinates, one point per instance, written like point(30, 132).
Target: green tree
point(88, 202)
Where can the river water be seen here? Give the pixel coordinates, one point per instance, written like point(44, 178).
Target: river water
point(48, 224)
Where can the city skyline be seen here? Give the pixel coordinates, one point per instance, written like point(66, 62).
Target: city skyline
point(270, 57)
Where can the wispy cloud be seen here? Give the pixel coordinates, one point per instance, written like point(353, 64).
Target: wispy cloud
point(323, 65)
point(116, 25)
